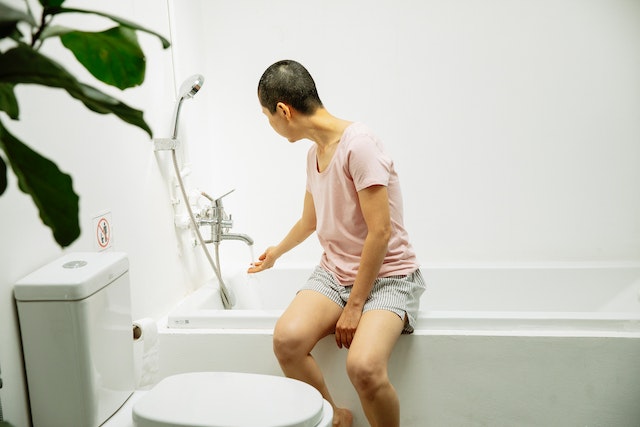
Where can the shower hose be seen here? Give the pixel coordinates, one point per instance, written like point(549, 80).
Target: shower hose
point(224, 292)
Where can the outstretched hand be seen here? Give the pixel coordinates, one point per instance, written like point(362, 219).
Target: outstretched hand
point(265, 261)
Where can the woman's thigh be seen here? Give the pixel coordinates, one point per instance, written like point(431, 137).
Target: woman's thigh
point(310, 317)
point(374, 340)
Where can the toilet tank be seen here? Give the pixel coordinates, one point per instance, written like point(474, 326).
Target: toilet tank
point(76, 328)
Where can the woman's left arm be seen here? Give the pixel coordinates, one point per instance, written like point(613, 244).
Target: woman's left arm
point(374, 202)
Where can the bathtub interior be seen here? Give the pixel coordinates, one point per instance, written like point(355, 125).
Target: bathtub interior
point(592, 289)
point(565, 297)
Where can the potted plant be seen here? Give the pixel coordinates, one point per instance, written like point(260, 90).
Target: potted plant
point(112, 56)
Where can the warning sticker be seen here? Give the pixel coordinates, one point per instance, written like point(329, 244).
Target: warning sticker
point(102, 230)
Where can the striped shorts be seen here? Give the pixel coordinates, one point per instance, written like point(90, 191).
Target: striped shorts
point(398, 294)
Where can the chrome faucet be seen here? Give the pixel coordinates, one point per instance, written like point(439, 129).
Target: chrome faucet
point(220, 222)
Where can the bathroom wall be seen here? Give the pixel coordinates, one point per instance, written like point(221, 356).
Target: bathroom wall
point(114, 169)
point(514, 124)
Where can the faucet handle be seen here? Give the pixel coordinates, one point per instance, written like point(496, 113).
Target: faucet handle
point(218, 201)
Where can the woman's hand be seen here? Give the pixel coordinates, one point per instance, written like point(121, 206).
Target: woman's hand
point(265, 261)
point(347, 325)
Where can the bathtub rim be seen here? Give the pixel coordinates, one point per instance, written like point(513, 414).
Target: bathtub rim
point(622, 324)
point(565, 323)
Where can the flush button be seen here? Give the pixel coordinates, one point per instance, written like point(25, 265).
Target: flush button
point(74, 264)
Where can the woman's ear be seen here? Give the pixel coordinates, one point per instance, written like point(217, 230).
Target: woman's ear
point(284, 110)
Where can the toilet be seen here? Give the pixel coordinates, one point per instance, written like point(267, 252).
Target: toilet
point(76, 328)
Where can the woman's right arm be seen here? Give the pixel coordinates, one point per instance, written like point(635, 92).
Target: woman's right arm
point(302, 229)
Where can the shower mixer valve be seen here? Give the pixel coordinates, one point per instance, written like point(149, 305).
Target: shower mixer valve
point(214, 216)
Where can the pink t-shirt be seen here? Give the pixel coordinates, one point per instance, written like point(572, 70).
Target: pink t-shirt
point(358, 162)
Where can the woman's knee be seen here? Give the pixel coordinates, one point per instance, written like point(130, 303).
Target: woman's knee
point(288, 342)
point(367, 374)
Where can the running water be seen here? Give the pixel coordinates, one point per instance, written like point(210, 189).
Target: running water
point(252, 256)
point(246, 286)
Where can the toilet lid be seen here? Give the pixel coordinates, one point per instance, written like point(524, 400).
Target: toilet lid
point(229, 399)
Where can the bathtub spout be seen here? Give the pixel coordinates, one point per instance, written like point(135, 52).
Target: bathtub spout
point(237, 236)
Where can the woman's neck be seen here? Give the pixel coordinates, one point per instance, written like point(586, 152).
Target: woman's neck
point(325, 129)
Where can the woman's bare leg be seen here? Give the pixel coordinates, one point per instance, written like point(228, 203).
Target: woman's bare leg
point(367, 361)
point(310, 317)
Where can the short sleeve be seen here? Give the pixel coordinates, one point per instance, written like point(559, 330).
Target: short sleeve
point(368, 163)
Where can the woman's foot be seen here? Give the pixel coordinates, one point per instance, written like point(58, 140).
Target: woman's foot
point(342, 418)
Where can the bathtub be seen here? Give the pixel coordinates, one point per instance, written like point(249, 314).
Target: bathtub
point(545, 345)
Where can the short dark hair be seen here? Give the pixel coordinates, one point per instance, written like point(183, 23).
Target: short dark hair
point(289, 82)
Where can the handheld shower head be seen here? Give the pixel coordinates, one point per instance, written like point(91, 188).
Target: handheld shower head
point(188, 89)
point(191, 86)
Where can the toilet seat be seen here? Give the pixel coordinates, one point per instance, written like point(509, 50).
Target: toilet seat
point(224, 399)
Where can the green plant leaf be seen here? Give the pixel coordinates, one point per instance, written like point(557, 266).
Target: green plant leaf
point(9, 19)
point(112, 56)
point(8, 101)
point(50, 188)
point(101, 103)
point(51, 3)
point(25, 65)
point(3, 176)
point(55, 31)
point(121, 21)
point(10, 15)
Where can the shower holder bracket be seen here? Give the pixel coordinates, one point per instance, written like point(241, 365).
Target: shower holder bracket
point(161, 144)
